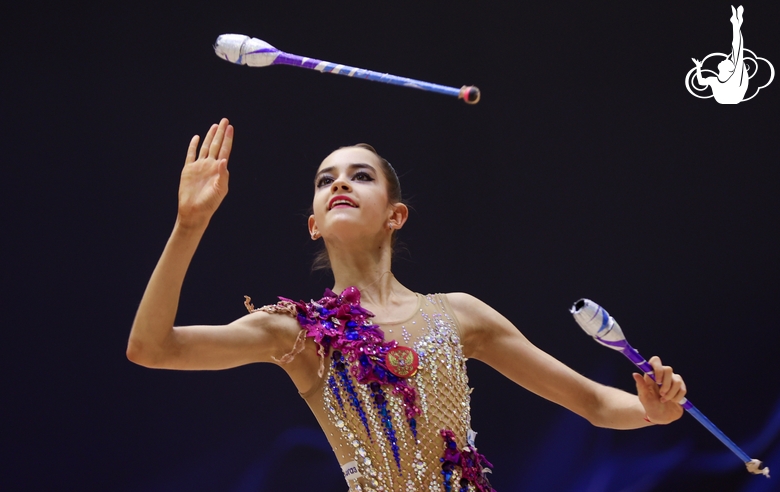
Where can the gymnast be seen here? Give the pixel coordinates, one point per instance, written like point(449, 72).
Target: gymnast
point(382, 368)
point(731, 84)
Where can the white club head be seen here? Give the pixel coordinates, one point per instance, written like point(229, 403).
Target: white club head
point(597, 322)
point(243, 50)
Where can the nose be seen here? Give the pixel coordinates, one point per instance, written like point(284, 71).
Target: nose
point(340, 184)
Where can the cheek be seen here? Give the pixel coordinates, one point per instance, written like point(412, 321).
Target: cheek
point(375, 203)
point(379, 197)
point(319, 203)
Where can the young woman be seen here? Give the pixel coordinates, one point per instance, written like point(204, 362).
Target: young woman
point(381, 367)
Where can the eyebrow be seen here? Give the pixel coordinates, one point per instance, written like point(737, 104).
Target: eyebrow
point(352, 167)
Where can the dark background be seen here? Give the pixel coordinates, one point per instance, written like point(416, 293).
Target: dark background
point(586, 170)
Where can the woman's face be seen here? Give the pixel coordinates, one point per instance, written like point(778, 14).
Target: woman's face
point(350, 196)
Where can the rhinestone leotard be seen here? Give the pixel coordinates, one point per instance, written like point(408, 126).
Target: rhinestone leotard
point(385, 439)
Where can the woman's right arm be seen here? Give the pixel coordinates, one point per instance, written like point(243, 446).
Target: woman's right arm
point(154, 341)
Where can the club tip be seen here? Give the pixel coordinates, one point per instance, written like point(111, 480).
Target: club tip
point(577, 306)
point(470, 94)
point(757, 468)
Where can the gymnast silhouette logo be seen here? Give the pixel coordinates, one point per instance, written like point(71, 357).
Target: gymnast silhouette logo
point(730, 84)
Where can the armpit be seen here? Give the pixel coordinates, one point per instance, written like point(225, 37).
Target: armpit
point(281, 307)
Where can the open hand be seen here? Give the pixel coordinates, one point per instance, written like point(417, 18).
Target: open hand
point(204, 179)
point(661, 398)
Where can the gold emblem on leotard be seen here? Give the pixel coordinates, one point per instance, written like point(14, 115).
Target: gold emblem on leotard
point(402, 361)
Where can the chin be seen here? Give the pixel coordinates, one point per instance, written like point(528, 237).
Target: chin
point(347, 231)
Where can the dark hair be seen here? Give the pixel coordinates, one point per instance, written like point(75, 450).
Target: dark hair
point(321, 259)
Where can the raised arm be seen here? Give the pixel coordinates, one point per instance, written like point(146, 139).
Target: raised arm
point(154, 341)
point(491, 338)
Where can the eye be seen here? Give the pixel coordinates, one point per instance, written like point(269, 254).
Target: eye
point(362, 176)
point(324, 181)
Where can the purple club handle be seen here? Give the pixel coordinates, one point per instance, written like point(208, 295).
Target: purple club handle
point(596, 322)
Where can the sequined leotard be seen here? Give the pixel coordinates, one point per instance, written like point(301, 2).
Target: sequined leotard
point(393, 433)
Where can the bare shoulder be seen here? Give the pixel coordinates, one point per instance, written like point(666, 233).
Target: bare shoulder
point(479, 323)
point(461, 301)
point(468, 309)
point(472, 312)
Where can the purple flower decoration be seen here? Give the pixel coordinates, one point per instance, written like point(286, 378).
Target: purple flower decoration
point(338, 322)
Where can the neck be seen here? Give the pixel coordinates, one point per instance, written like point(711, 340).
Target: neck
point(368, 269)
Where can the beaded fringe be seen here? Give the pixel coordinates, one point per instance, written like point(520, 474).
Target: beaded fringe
point(288, 308)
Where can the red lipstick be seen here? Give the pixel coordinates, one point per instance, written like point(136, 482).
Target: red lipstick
point(339, 200)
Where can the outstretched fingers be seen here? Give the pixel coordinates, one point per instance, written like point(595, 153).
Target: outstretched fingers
point(192, 150)
point(204, 149)
point(216, 143)
point(227, 144)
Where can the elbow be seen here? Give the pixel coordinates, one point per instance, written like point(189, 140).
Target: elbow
point(600, 418)
point(593, 416)
point(135, 352)
point(138, 353)
point(597, 421)
point(150, 351)
point(595, 410)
